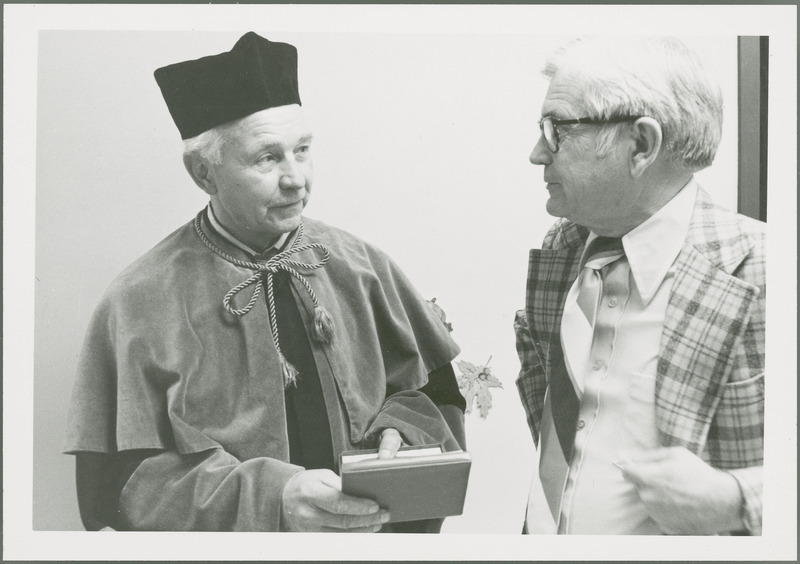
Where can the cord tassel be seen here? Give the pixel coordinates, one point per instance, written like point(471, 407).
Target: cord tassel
point(288, 371)
point(323, 325)
point(263, 273)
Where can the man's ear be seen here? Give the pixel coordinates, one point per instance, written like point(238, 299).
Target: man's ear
point(200, 173)
point(647, 137)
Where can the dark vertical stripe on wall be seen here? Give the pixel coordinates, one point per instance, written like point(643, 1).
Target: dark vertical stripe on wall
point(764, 42)
point(753, 90)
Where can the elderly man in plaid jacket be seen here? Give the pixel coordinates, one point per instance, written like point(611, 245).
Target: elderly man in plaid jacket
point(642, 337)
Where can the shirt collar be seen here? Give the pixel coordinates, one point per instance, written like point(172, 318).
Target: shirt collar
point(653, 246)
point(224, 233)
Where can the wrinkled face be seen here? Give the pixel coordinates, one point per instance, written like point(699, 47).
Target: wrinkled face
point(585, 188)
point(264, 180)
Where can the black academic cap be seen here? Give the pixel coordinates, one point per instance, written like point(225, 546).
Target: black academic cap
point(255, 75)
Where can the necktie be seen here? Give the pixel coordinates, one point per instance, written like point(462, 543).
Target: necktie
point(601, 252)
point(564, 398)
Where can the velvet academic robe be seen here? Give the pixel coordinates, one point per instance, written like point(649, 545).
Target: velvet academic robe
point(167, 371)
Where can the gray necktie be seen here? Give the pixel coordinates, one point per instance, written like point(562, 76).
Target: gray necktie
point(565, 403)
point(601, 252)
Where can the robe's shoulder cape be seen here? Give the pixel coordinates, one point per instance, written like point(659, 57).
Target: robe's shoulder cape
point(165, 366)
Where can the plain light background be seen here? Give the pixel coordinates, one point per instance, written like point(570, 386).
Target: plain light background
point(421, 147)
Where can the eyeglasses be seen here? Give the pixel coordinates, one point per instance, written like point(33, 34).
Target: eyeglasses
point(549, 126)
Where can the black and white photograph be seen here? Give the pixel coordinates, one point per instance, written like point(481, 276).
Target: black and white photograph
point(475, 278)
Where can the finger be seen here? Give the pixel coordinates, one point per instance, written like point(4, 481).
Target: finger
point(332, 521)
point(351, 522)
point(390, 443)
point(337, 503)
point(648, 456)
point(314, 519)
point(372, 529)
point(639, 467)
point(631, 471)
point(330, 479)
point(649, 472)
point(327, 495)
point(623, 461)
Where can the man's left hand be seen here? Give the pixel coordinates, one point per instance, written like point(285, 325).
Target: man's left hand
point(391, 441)
point(683, 494)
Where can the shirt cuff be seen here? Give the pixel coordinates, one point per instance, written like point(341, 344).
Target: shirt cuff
point(750, 481)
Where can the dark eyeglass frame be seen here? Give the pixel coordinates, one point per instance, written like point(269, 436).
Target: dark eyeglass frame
point(550, 133)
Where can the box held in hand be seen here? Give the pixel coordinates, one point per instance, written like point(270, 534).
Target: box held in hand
point(421, 482)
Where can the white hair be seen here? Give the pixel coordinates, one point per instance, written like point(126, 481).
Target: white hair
point(658, 77)
point(208, 145)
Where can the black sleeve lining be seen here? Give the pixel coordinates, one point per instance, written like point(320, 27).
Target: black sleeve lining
point(442, 388)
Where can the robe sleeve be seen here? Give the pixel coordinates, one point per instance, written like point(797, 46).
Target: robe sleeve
point(416, 417)
point(417, 351)
point(442, 388)
point(121, 405)
point(209, 491)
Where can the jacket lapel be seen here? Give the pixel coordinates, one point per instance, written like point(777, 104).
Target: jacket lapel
point(706, 314)
point(551, 273)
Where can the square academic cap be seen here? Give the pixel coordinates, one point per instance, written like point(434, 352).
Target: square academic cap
point(254, 75)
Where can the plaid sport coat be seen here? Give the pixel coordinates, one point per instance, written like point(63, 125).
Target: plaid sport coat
point(710, 373)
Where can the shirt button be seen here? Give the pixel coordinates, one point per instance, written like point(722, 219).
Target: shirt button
point(612, 302)
point(598, 364)
point(581, 424)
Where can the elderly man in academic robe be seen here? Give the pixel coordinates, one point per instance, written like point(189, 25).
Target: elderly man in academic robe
point(225, 370)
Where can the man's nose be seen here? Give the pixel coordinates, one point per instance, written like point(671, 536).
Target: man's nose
point(292, 177)
point(541, 154)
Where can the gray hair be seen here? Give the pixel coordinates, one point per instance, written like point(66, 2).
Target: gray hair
point(208, 145)
point(657, 77)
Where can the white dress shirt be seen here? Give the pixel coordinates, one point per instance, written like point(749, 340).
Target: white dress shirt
point(613, 365)
point(236, 242)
